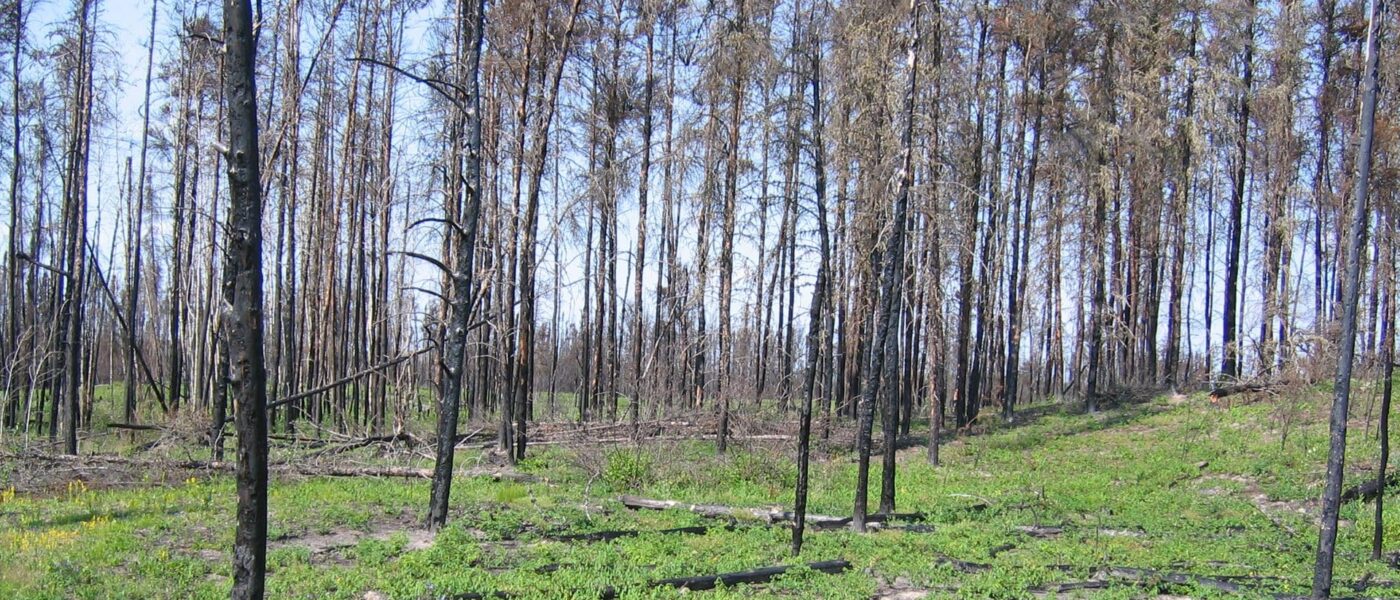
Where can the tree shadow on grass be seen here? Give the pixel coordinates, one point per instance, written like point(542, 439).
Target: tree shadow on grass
point(89, 515)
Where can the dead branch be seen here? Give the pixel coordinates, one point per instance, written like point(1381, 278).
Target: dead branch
point(771, 515)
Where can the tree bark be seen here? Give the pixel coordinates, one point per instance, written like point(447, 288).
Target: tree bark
point(1336, 457)
point(243, 266)
point(470, 22)
point(1229, 345)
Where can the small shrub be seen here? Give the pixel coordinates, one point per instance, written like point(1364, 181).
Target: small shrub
point(626, 470)
point(510, 493)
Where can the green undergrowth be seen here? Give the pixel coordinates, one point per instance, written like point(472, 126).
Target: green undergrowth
point(1175, 484)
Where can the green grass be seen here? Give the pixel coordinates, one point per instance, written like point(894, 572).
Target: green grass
point(1124, 485)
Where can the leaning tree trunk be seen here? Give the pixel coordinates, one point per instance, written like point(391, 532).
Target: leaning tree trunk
point(815, 323)
point(884, 349)
point(1336, 457)
point(894, 275)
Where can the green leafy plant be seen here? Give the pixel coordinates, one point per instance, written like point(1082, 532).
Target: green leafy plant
point(629, 469)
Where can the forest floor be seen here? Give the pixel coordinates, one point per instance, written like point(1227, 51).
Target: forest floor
point(1172, 495)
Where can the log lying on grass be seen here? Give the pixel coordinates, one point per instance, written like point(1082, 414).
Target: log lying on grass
point(709, 582)
point(134, 427)
point(1040, 531)
point(603, 536)
point(407, 438)
point(1146, 575)
point(1251, 387)
point(772, 516)
point(1368, 490)
point(284, 468)
point(704, 582)
point(763, 575)
point(1134, 574)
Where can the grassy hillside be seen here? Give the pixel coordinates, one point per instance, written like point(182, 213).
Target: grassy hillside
point(1174, 484)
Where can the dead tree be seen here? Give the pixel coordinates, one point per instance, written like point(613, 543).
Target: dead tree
point(466, 97)
point(1229, 344)
point(243, 263)
point(1336, 456)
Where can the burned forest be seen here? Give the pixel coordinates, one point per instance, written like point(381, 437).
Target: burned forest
point(884, 299)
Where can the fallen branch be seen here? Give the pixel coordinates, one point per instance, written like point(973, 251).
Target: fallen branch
point(1039, 531)
point(1070, 586)
point(701, 583)
point(348, 378)
point(1368, 490)
point(962, 565)
point(284, 468)
point(1147, 575)
point(402, 436)
point(134, 427)
point(763, 575)
point(771, 515)
point(603, 536)
point(1252, 387)
point(660, 438)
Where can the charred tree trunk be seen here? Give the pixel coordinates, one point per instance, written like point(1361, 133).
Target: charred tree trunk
point(816, 321)
point(467, 101)
point(243, 267)
point(1229, 344)
point(1336, 457)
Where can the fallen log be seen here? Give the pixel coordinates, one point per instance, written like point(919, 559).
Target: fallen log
point(961, 565)
point(401, 436)
point(1070, 586)
point(660, 438)
point(1368, 490)
point(1147, 575)
point(284, 468)
point(763, 575)
point(134, 427)
point(770, 515)
point(1252, 387)
point(603, 536)
point(1039, 531)
point(701, 583)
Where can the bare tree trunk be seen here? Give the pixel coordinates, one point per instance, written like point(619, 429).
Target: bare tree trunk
point(470, 21)
point(889, 355)
point(12, 295)
point(1229, 345)
point(133, 279)
point(1017, 284)
point(76, 200)
point(1100, 189)
point(639, 257)
point(1336, 457)
point(243, 268)
point(816, 324)
point(1181, 207)
point(726, 252)
point(1385, 264)
point(966, 405)
point(525, 347)
point(884, 351)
